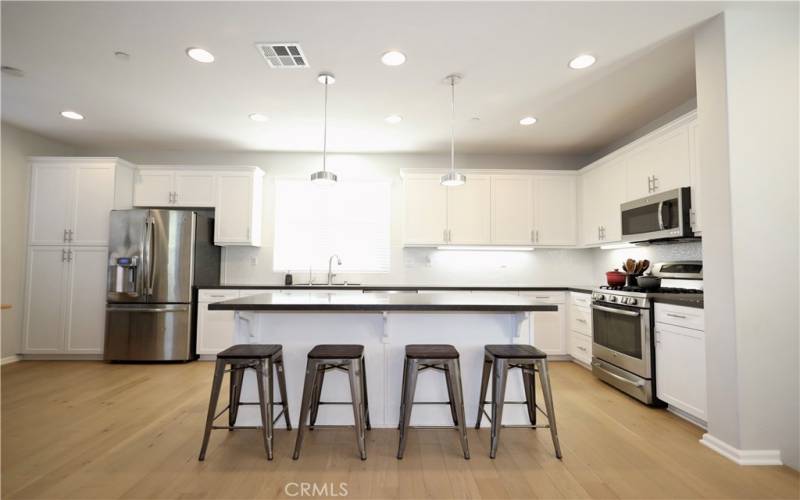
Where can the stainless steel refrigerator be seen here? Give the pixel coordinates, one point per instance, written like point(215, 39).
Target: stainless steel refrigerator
point(155, 257)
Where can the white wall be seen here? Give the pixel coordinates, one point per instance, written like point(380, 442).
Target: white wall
point(747, 99)
point(17, 145)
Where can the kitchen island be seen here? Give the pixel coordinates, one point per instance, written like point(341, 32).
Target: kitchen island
point(384, 323)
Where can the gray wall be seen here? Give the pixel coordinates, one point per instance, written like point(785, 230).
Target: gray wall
point(17, 145)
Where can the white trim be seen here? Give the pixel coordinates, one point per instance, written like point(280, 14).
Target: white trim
point(435, 172)
point(688, 417)
point(62, 357)
point(741, 457)
point(9, 359)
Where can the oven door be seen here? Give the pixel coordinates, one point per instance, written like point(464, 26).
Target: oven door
point(621, 336)
point(659, 216)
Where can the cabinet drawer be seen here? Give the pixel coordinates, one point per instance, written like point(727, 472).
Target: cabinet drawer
point(686, 317)
point(581, 299)
point(580, 347)
point(581, 321)
point(205, 296)
point(547, 297)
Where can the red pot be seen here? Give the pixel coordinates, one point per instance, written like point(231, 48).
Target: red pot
point(615, 278)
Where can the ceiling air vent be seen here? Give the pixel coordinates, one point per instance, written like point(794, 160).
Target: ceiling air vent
point(283, 55)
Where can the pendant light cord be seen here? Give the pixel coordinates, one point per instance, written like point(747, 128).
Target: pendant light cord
point(452, 124)
point(325, 129)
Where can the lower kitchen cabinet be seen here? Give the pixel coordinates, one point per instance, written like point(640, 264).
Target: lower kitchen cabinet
point(215, 329)
point(579, 339)
point(65, 300)
point(549, 327)
point(680, 360)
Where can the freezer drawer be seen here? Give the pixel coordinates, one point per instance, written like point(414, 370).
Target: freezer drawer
point(153, 332)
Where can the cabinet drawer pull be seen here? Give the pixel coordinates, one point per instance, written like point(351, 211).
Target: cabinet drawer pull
point(581, 348)
point(580, 320)
point(673, 315)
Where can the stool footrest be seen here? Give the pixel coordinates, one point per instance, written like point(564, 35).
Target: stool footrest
point(430, 403)
point(433, 427)
point(331, 426)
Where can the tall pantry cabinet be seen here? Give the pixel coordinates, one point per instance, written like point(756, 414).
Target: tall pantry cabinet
point(70, 202)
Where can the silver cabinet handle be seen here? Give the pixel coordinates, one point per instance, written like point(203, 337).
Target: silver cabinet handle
point(71, 232)
point(579, 320)
point(649, 183)
point(63, 255)
point(537, 236)
point(533, 239)
point(69, 255)
point(65, 236)
point(174, 197)
point(673, 315)
point(581, 348)
point(655, 183)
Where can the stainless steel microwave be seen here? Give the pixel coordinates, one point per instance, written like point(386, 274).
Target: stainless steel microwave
point(659, 216)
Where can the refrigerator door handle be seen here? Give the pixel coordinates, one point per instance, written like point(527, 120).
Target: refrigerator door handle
point(170, 308)
point(149, 264)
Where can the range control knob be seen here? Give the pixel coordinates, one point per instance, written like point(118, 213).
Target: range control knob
point(624, 300)
point(633, 301)
point(613, 298)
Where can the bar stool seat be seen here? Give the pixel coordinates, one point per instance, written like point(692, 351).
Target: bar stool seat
point(514, 351)
point(258, 357)
point(322, 358)
point(444, 358)
point(336, 351)
point(498, 360)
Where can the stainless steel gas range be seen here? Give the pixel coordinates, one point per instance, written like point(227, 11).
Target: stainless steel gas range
point(623, 352)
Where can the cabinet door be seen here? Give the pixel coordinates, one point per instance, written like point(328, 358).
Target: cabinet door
point(234, 210)
point(93, 200)
point(86, 299)
point(591, 212)
point(51, 199)
point(512, 210)
point(548, 331)
point(681, 368)
point(45, 295)
point(469, 212)
point(613, 195)
point(215, 330)
point(555, 210)
point(153, 188)
point(194, 189)
point(425, 210)
point(664, 159)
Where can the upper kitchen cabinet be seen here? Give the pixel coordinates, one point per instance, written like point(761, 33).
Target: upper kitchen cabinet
point(425, 210)
point(159, 186)
point(469, 211)
point(602, 193)
point(660, 163)
point(512, 210)
point(70, 198)
point(555, 211)
point(238, 207)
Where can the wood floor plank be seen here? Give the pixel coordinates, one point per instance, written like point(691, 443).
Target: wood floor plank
point(94, 430)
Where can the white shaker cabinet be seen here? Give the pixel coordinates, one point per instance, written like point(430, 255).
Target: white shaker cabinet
point(579, 338)
point(45, 300)
point(512, 210)
point(469, 212)
point(555, 210)
point(659, 164)
point(71, 198)
point(238, 207)
point(602, 193)
point(153, 188)
point(86, 299)
point(549, 327)
point(215, 329)
point(425, 201)
point(160, 186)
point(194, 188)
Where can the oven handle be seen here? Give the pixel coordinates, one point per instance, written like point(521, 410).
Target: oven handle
point(623, 312)
point(638, 383)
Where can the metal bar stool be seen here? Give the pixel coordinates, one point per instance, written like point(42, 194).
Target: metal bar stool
point(440, 357)
point(501, 358)
point(240, 358)
point(348, 358)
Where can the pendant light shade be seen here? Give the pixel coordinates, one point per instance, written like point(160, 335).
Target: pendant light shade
point(453, 178)
point(323, 177)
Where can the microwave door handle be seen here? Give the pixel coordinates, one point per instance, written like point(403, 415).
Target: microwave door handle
point(661, 215)
point(622, 312)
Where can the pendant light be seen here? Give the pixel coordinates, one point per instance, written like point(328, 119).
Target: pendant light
point(323, 177)
point(453, 178)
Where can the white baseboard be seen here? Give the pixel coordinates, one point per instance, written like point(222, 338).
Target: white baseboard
point(688, 417)
point(742, 457)
point(62, 357)
point(9, 359)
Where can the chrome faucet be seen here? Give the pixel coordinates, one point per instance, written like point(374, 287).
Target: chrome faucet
point(330, 267)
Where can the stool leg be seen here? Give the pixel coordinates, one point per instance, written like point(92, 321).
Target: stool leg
point(236, 378)
point(319, 379)
point(410, 384)
point(487, 371)
point(356, 386)
point(529, 381)
point(265, 404)
point(282, 389)
point(402, 394)
point(454, 372)
point(448, 378)
point(216, 385)
point(366, 396)
point(308, 388)
point(499, 377)
point(544, 379)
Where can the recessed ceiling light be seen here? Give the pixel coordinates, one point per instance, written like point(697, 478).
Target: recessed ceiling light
point(258, 117)
point(582, 61)
point(528, 120)
point(393, 58)
point(72, 115)
point(393, 119)
point(200, 55)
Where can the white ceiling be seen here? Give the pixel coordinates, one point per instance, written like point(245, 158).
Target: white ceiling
point(513, 57)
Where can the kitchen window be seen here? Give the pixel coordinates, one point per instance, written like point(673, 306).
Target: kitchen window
point(350, 218)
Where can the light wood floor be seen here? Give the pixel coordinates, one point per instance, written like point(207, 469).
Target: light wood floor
point(94, 430)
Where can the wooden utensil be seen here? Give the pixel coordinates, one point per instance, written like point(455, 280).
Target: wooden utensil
point(630, 265)
point(645, 265)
